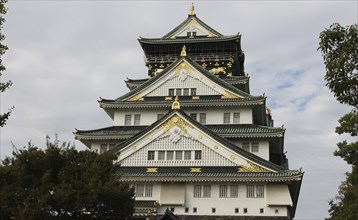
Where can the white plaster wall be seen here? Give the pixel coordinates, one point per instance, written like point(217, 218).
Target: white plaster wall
point(264, 148)
point(225, 206)
point(213, 116)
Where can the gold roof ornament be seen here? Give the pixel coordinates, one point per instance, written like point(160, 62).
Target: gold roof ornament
point(176, 103)
point(192, 9)
point(183, 51)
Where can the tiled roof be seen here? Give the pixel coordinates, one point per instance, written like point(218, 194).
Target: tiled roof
point(188, 40)
point(206, 172)
point(204, 101)
point(124, 132)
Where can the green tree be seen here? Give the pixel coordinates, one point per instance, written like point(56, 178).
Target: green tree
point(339, 46)
point(62, 183)
point(3, 48)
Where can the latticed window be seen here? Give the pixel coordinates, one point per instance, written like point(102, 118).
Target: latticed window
point(197, 191)
point(151, 155)
point(136, 119)
point(186, 91)
point(236, 118)
point(139, 190)
point(254, 147)
point(250, 191)
point(171, 92)
point(170, 155)
point(178, 92)
point(223, 191)
point(161, 155)
point(234, 191)
point(193, 115)
point(260, 191)
point(227, 118)
point(111, 146)
point(207, 190)
point(255, 191)
point(178, 155)
point(193, 91)
point(187, 155)
point(198, 155)
point(202, 118)
point(148, 190)
point(127, 119)
point(246, 146)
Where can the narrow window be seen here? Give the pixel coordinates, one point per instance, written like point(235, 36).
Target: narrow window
point(159, 116)
point(171, 92)
point(197, 191)
point(207, 190)
point(250, 191)
point(139, 190)
point(213, 210)
point(150, 155)
point(148, 190)
point(245, 210)
point(195, 210)
point(246, 146)
point(198, 155)
point(172, 209)
point(178, 155)
point(236, 210)
point(161, 155)
point(170, 155)
point(136, 119)
point(193, 91)
point(186, 210)
point(188, 34)
point(178, 92)
point(234, 192)
point(127, 119)
point(255, 147)
point(223, 191)
point(260, 191)
point(261, 211)
point(103, 148)
point(202, 118)
point(194, 33)
point(193, 115)
point(236, 119)
point(187, 155)
point(276, 211)
point(186, 91)
point(226, 118)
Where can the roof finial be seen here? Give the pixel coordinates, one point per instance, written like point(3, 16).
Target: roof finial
point(183, 51)
point(176, 103)
point(192, 9)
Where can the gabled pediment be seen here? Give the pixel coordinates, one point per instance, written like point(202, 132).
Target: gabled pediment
point(177, 132)
point(185, 74)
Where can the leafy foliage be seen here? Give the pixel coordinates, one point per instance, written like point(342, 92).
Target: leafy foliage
point(3, 48)
point(339, 46)
point(62, 183)
point(340, 53)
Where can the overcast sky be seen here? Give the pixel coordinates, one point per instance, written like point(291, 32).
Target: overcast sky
point(64, 55)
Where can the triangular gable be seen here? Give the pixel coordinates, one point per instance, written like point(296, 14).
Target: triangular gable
point(177, 131)
point(192, 24)
point(185, 73)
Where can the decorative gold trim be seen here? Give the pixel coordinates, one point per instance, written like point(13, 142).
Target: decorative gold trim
point(152, 170)
point(176, 103)
point(232, 157)
point(252, 168)
point(200, 136)
point(183, 65)
point(216, 147)
point(168, 98)
point(228, 95)
point(183, 51)
point(195, 170)
point(150, 137)
point(192, 9)
point(136, 97)
point(176, 121)
point(218, 70)
point(196, 97)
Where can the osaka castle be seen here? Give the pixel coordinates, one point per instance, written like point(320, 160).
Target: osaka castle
point(191, 138)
